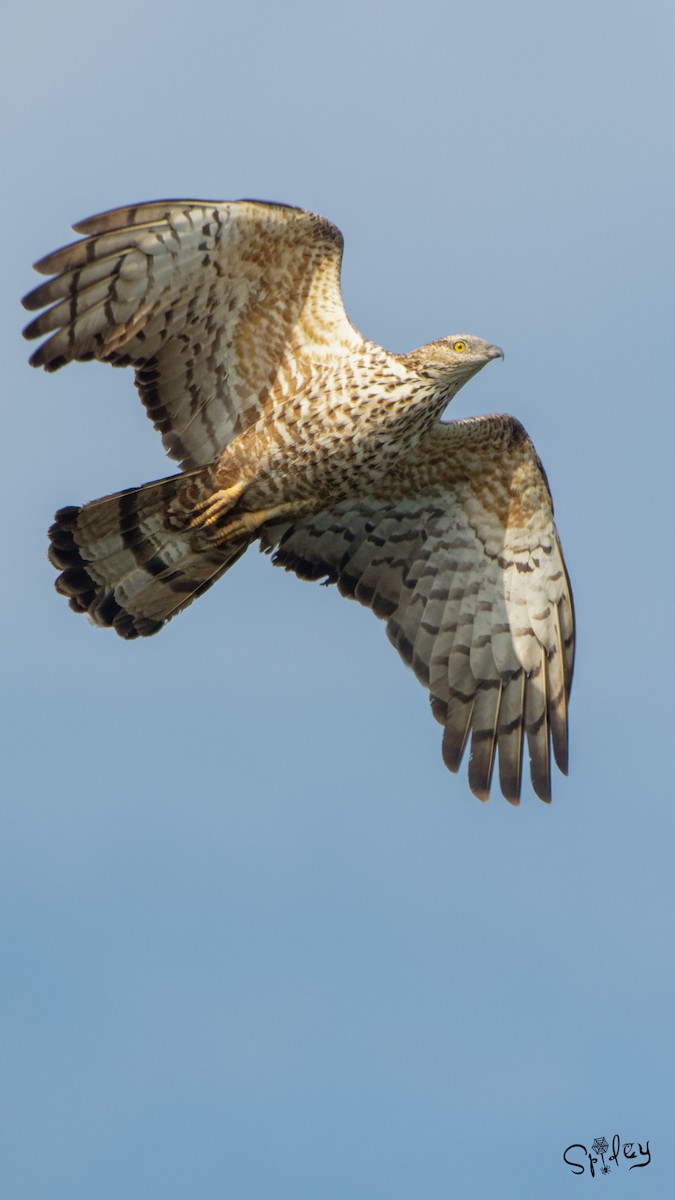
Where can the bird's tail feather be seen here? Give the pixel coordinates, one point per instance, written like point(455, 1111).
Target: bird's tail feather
point(130, 562)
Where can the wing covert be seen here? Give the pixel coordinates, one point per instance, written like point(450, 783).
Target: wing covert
point(460, 555)
point(207, 301)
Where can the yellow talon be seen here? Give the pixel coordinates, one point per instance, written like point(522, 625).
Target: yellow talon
point(240, 527)
point(208, 511)
point(250, 522)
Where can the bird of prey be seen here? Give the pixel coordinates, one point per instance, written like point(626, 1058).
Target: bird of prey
point(293, 431)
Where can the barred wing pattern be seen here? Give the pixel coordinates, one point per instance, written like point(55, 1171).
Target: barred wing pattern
point(468, 572)
point(209, 302)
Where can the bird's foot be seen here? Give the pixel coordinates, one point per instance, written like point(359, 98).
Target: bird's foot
point(248, 523)
point(209, 511)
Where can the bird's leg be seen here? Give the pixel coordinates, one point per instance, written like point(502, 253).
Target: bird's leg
point(216, 505)
point(248, 522)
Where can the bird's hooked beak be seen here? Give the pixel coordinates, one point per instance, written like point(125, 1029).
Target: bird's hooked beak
point(495, 352)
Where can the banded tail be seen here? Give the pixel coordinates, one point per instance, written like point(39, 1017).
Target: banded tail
point(130, 562)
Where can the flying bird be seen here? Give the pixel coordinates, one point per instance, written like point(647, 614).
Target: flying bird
point(293, 431)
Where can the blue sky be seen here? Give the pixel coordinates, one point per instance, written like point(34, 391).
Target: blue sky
point(256, 941)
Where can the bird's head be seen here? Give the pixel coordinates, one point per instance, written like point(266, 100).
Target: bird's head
point(453, 359)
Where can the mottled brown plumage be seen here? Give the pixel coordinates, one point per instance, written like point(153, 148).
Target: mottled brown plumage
point(292, 430)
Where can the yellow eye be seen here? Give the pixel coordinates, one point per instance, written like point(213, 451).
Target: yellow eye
point(459, 346)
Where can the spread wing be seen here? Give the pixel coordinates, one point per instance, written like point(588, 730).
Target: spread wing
point(209, 302)
point(460, 555)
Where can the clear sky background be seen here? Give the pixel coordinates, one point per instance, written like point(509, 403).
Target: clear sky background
point(256, 941)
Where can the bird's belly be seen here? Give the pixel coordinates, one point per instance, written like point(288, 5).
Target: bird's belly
point(330, 466)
